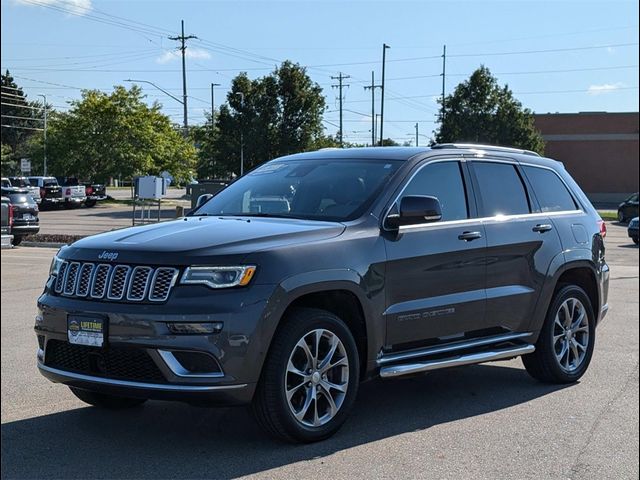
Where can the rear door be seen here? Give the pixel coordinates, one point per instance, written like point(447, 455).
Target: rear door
point(521, 243)
point(435, 278)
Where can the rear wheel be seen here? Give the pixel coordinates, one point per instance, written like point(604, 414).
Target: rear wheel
point(635, 240)
point(17, 240)
point(90, 203)
point(310, 378)
point(565, 345)
point(103, 400)
point(621, 217)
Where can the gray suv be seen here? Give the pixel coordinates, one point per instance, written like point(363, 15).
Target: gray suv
point(320, 270)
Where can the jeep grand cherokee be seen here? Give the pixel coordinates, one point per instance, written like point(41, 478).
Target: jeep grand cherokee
point(320, 270)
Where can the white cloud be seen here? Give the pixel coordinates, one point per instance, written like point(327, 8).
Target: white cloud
point(604, 88)
point(74, 7)
point(192, 52)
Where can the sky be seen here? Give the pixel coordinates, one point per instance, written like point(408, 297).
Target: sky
point(556, 56)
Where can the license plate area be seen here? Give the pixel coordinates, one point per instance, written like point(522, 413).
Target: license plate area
point(89, 330)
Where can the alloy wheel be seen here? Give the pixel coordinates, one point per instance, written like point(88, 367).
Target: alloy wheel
point(571, 334)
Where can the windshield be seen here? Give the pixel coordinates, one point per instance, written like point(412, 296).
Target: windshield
point(333, 190)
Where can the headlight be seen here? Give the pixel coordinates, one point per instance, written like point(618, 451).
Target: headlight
point(55, 265)
point(219, 277)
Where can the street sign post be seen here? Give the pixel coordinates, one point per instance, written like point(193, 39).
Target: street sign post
point(25, 165)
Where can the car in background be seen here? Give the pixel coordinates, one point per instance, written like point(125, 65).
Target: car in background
point(50, 190)
point(94, 192)
point(73, 193)
point(632, 230)
point(6, 183)
point(23, 182)
point(628, 209)
point(7, 221)
point(25, 213)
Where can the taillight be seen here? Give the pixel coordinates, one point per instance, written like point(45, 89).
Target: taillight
point(43, 193)
point(68, 191)
point(10, 215)
point(89, 190)
point(603, 228)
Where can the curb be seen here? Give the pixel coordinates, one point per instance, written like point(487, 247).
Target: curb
point(26, 243)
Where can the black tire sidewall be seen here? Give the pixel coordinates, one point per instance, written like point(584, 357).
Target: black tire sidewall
point(569, 291)
point(313, 319)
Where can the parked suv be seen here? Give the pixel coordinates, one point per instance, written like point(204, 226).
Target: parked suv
point(373, 262)
point(24, 211)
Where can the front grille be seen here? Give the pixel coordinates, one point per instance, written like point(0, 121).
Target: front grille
point(122, 363)
point(115, 283)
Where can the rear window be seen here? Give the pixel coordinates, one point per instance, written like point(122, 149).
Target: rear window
point(501, 189)
point(6, 182)
point(551, 192)
point(50, 182)
point(20, 182)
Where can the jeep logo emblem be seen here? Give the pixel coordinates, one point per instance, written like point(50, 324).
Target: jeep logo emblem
point(111, 256)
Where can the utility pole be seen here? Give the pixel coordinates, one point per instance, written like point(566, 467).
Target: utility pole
point(183, 48)
point(45, 135)
point(373, 87)
point(213, 106)
point(444, 64)
point(384, 54)
point(416, 134)
point(340, 78)
point(241, 95)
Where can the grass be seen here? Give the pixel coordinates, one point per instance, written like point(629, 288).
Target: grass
point(609, 215)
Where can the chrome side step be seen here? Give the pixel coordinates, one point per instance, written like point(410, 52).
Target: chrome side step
point(451, 347)
point(425, 366)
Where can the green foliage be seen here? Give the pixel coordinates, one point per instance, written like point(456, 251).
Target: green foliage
point(114, 135)
point(15, 104)
point(480, 111)
point(9, 163)
point(275, 115)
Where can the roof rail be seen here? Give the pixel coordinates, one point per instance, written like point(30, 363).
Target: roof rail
point(485, 147)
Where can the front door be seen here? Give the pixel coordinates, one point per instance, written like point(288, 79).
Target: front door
point(435, 273)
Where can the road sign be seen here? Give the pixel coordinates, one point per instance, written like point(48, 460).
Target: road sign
point(25, 165)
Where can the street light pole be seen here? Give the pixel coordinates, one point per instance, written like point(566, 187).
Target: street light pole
point(213, 106)
point(45, 135)
point(384, 57)
point(241, 95)
point(416, 134)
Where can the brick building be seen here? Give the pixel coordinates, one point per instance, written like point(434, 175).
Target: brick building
point(599, 149)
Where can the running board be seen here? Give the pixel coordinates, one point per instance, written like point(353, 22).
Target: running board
point(481, 357)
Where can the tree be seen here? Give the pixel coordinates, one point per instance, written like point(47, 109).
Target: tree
point(480, 111)
point(21, 119)
point(275, 115)
point(115, 135)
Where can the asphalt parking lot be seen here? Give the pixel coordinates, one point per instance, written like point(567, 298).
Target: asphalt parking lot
point(489, 421)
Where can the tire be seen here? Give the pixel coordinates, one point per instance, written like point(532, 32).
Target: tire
point(90, 203)
point(635, 240)
point(621, 217)
point(544, 364)
point(102, 400)
point(271, 407)
point(17, 240)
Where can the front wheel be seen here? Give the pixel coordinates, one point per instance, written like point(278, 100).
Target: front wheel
point(310, 378)
point(621, 217)
point(103, 400)
point(565, 345)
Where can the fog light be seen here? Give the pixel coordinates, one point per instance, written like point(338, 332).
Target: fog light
point(194, 328)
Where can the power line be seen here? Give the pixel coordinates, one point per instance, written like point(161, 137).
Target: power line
point(22, 128)
point(23, 118)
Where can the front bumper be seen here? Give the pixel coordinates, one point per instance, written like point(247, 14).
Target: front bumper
point(239, 347)
point(632, 232)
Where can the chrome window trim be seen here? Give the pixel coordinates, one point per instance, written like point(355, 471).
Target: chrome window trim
point(106, 281)
point(71, 291)
point(171, 285)
point(146, 284)
point(141, 385)
point(125, 281)
point(178, 370)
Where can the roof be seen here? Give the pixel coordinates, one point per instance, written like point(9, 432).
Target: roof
point(361, 153)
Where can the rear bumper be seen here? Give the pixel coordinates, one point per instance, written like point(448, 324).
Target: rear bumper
point(25, 229)
point(238, 394)
point(632, 232)
point(75, 200)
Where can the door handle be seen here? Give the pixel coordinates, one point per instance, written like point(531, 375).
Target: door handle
point(469, 236)
point(541, 228)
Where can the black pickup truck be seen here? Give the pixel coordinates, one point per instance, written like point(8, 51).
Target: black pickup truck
point(50, 190)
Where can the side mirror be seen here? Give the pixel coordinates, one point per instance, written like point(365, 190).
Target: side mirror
point(202, 199)
point(414, 210)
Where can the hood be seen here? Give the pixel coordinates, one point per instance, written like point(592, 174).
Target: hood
point(200, 239)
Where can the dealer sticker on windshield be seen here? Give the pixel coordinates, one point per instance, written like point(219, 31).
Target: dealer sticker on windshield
point(86, 330)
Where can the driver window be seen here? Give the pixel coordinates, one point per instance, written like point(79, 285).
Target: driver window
point(444, 181)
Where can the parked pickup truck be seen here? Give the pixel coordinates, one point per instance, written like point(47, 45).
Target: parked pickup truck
point(7, 220)
point(24, 183)
point(50, 191)
point(73, 192)
point(95, 192)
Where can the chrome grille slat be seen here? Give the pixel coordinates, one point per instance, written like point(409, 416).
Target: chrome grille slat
point(140, 277)
point(163, 280)
point(84, 280)
point(118, 283)
point(71, 278)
